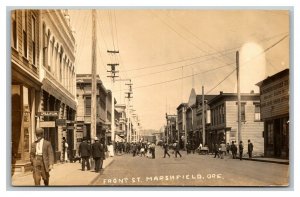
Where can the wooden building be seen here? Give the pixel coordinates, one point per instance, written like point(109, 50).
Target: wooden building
point(274, 98)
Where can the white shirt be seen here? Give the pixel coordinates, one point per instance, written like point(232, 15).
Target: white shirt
point(39, 147)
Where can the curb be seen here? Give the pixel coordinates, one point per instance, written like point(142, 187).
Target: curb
point(267, 161)
point(97, 177)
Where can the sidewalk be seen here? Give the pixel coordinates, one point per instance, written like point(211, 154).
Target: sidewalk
point(67, 174)
point(270, 160)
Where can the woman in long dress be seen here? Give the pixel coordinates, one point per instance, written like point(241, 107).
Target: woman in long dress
point(66, 152)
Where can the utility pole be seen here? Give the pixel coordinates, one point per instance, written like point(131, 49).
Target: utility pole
point(238, 97)
point(94, 80)
point(113, 75)
point(203, 117)
point(128, 96)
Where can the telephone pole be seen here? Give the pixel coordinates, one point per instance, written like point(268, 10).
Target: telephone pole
point(203, 117)
point(94, 80)
point(128, 96)
point(113, 75)
point(238, 97)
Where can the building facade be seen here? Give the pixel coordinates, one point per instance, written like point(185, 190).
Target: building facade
point(274, 98)
point(26, 84)
point(181, 124)
point(224, 120)
point(84, 94)
point(121, 124)
point(171, 132)
point(58, 75)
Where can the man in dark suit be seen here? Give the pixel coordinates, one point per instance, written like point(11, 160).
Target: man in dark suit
point(177, 148)
point(97, 152)
point(85, 153)
point(42, 158)
point(166, 148)
point(250, 149)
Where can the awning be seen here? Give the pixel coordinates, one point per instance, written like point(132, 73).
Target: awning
point(58, 93)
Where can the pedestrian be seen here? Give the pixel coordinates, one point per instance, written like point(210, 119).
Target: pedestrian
point(177, 148)
point(85, 153)
point(250, 148)
point(134, 149)
point(241, 148)
point(102, 154)
point(66, 152)
point(233, 150)
point(217, 151)
point(166, 149)
point(223, 149)
point(227, 148)
point(97, 151)
point(42, 158)
point(153, 150)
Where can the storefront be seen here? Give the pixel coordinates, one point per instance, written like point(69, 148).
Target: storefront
point(25, 98)
point(274, 96)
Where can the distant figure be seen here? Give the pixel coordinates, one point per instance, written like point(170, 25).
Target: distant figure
point(166, 148)
point(42, 158)
point(177, 148)
point(233, 150)
point(85, 153)
point(152, 148)
point(227, 148)
point(223, 149)
point(217, 151)
point(250, 149)
point(241, 148)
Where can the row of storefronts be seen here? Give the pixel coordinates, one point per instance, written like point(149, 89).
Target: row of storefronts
point(264, 118)
point(43, 80)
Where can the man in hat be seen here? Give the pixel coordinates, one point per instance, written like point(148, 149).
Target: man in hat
point(84, 153)
point(97, 152)
point(177, 148)
point(41, 157)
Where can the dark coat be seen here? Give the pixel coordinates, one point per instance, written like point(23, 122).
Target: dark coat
point(48, 156)
point(84, 149)
point(250, 147)
point(98, 150)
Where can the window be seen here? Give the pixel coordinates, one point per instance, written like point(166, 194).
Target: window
point(14, 29)
point(257, 113)
point(87, 105)
point(243, 113)
point(24, 33)
point(33, 39)
point(270, 133)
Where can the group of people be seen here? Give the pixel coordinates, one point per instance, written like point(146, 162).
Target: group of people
point(176, 148)
point(222, 149)
point(145, 148)
point(96, 151)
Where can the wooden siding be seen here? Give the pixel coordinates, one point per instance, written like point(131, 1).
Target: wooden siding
point(275, 98)
point(17, 54)
point(251, 129)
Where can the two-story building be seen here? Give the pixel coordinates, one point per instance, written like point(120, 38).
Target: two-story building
point(224, 120)
point(274, 98)
point(171, 133)
point(84, 93)
point(25, 84)
point(121, 124)
point(181, 124)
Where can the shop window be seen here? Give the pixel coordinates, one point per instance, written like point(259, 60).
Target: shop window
point(270, 133)
point(243, 112)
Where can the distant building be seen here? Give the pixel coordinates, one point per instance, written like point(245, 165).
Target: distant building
point(171, 133)
point(121, 124)
point(181, 124)
point(84, 87)
point(224, 120)
point(274, 97)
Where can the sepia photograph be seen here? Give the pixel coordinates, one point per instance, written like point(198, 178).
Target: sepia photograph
point(116, 97)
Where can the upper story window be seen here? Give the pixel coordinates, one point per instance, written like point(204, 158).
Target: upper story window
point(24, 33)
point(87, 105)
point(14, 29)
point(243, 112)
point(257, 112)
point(33, 39)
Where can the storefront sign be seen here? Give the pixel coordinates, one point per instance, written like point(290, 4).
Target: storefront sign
point(61, 122)
point(45, 124)
point(48, 113)
point(70, 127)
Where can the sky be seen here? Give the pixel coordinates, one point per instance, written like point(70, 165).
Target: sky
point(168, 52)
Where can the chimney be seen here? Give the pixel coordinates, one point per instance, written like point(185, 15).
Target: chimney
point(221, 92)
point(252, 92)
